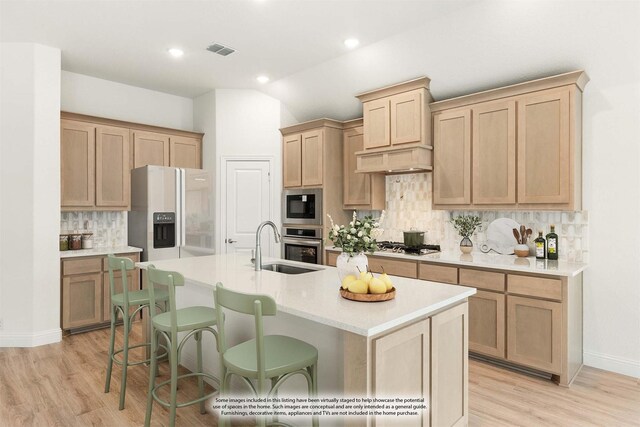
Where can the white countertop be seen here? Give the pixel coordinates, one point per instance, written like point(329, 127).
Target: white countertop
point(315, 296)
point(491, 260)
point(99, 251)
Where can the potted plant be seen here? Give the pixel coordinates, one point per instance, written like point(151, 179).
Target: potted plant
point(466, 225)
point(356, 238)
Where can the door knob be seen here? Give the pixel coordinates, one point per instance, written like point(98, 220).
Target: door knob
point(231, 241)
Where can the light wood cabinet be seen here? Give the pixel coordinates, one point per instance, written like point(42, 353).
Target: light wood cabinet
point(487, 326)
point(113, 172)
point(494, 153)
point(534, 329)
point(395, 267)
point(438, 273)
point(185, 152)
point(312, 158)
point(85, 293)
point(452, 158)
point(524, 146)
point(397, 128)
point(77, 164)
point(544, 147)
point(360, 190)
point(150, 148)
point(292, 160)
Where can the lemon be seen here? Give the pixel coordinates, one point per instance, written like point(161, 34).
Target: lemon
point(348, 279)
point(358, 287)
point(377, 286)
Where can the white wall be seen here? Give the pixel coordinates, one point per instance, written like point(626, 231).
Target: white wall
point(246, 124)
point(29, 195)
point(104, 98)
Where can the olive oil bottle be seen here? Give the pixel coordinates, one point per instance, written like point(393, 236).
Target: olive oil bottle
point(552, 244)
point(541, 246)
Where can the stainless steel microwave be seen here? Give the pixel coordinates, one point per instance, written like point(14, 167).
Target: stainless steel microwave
point(302, 206)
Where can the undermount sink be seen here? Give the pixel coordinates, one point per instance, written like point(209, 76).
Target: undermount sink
point(287, 268)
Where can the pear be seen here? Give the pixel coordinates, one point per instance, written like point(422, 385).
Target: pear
point(348, 279)
point(377, 286)
point(358, 287)
point(366, 276)
point(387, 281)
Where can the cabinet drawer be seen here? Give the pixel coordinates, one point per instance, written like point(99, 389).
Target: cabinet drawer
point(133, 256)
point(480, 279)
point(534, 286)
point(394, 267)
point(81, 266)
point(438, 273)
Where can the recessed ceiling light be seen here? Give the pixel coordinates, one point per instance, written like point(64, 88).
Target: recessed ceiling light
point(351, 43)
point(262, 79)
point(175, 52)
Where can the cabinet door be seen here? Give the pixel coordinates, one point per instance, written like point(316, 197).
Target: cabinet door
point(77, 163)
point(81, 300)
point(134, 285)
point(452, 158)
point(150, 149)
point(450, 367)
point(486, 323)
point(376, 123)
point(534, 333)
point(292, 152)
point(494, 153)
point(544, 148)
point(402, 369)
point(406, 117)
point(113, 172)
point(185, 152)
point(312, 158)
point(357, 186)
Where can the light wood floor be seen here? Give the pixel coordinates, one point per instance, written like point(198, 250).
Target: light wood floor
point(63, 385)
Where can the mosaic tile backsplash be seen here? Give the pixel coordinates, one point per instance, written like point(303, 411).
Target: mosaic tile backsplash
point(109, 228)
point(408, 206)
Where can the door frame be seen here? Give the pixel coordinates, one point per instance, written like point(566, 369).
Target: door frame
point(274, 206)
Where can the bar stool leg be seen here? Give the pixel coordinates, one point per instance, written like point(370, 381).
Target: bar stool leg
point(153, 369)
point(112, 340)
point(314, 387)
point(198, 337)
point(125, 358)
point(174, 383)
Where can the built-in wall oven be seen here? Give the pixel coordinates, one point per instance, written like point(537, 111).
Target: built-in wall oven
point(302, 207)
point(302, 244)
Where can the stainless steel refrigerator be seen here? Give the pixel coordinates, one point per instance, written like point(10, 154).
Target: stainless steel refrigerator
point(171, 212)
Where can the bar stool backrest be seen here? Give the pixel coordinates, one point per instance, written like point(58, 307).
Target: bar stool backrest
point(122, 264)
point(168, 279)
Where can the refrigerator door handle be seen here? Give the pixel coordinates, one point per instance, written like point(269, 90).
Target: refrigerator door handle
point(183, 207)
point(178, 208)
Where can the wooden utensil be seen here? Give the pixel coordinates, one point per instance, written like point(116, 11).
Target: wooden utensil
point(516, 234)
point(523, 234)
point(529, 233)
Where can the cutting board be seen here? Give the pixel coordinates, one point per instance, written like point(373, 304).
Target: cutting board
point(500, 236)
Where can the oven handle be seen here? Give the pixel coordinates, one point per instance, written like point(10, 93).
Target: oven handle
point(302, 241)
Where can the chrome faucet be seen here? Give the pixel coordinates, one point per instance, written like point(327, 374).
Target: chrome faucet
point(258, 254)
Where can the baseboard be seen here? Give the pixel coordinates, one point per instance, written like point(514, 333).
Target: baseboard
point(612, 363)
point(30, 340)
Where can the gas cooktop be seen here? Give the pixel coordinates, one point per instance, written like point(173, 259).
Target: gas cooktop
point(399, 247)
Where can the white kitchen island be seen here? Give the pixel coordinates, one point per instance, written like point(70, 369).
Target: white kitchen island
point(412, 346)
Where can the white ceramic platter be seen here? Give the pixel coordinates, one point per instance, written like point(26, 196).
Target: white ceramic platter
point(500, 235)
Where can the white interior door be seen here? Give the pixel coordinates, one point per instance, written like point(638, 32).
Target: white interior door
point(247, 204)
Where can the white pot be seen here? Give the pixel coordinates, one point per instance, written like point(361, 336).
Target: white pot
point(351, 264)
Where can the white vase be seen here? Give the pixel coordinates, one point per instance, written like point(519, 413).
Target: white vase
point(351, 264)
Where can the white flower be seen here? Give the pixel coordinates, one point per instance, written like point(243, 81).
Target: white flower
point(359, 233)
point(357, 222)
point(353, 231)
point(336, 228)
point(348, 237)
point(366, 225)
point(351, 224)
point(376, 224)
point(366, 239)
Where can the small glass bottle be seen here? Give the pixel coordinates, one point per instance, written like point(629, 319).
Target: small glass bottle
point(552, 244)
point(541, 246)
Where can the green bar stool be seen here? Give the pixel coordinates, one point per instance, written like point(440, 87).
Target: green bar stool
point(121, 303)
point(272, 357)
point(193, 321)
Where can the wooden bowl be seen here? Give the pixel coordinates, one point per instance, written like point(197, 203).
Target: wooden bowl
point(368, 297)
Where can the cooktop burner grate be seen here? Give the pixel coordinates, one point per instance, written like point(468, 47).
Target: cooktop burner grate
point(399, 247)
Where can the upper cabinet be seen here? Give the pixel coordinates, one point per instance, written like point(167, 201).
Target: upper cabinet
point(397, 129)
point(360, 190)
point(97, 155)
point(311, 151)
point(516, 147)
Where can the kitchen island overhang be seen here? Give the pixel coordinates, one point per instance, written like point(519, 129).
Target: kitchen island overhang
point(415, 344)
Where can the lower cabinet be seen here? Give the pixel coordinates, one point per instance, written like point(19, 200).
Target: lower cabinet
point(86, 297)
point(534, 330)
point(487, 324)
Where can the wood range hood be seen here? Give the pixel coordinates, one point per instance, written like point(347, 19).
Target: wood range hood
point(397, 129)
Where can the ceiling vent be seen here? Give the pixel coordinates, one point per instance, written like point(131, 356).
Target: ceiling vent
point(221, 49)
